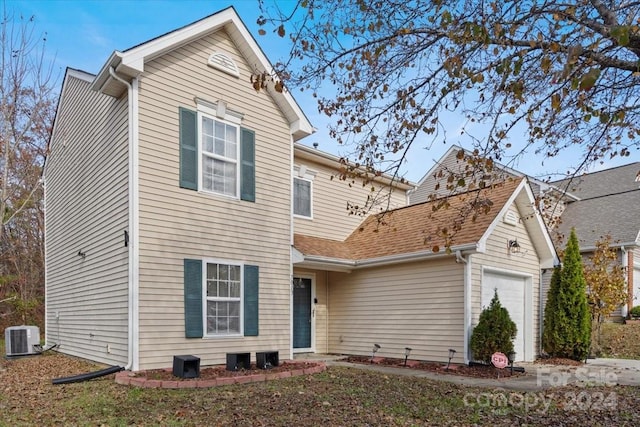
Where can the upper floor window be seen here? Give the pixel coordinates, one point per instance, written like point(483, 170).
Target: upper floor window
point(217, 155)
point(219, 148)
point(302, 197)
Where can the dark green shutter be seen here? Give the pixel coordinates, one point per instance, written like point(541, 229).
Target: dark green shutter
point(193, 298)
point(251, 300)
point(247, 165)
point(188, 149)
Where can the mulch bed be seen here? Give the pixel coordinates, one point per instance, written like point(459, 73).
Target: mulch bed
point(476, 371)
point(213, 372)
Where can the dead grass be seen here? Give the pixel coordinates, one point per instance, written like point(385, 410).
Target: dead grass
point(621, 341)
point(339, 396)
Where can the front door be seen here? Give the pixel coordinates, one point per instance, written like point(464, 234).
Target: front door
point(302, 314)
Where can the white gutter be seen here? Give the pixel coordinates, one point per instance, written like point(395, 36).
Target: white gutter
point(467, 303)
point(385, 260)
point(134, 236)
point(622, 246)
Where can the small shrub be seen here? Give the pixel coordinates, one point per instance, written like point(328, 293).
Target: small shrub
point(495, 332)
point(635, 311)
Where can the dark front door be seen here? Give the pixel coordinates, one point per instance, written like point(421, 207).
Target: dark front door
point(301, 313)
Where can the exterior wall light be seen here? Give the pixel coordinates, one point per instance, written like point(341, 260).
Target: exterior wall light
point(513, 246)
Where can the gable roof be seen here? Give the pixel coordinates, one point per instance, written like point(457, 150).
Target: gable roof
point(500, 172)
point(131, 62)
point(609, 205)
point(413, 232)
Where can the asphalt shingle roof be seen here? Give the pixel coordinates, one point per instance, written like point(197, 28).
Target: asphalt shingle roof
point(414, 228)
point(609, 205)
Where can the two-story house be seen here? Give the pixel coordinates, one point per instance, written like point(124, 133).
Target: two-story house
point(184, 217)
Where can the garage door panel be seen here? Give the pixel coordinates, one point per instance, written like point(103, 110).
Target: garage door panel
point(511, 292)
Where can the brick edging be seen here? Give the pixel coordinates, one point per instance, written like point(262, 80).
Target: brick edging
point(130, 378)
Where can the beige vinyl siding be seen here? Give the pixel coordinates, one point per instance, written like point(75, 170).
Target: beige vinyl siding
point(86, 210)
point(176, 223)
point(331, 219)
point(526, 263)
point(418, 305)
point(428, 184)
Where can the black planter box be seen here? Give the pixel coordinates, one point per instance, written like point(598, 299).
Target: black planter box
point(267, 359)
point(186, 366)
point(237, 361)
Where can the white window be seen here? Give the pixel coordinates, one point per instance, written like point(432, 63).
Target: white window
point(219, 149)
point(302, 197)
point(223, 297)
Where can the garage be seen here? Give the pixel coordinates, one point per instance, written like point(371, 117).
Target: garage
point(515, 294)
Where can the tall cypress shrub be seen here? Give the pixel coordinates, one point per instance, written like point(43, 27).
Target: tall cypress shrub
point(568, 326)
point(495, 331)
point(551, 313)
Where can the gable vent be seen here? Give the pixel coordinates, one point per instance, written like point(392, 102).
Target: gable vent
point(221, 61)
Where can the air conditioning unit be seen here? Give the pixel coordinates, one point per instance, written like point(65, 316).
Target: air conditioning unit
point(21, 340)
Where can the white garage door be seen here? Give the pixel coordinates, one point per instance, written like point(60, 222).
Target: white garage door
point(511, 292)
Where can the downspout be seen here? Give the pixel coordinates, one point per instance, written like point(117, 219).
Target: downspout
point(467, 303)
point(326, 311)
point(624, 310)
point(291, 162)
point(134, 237)
point(540, 313)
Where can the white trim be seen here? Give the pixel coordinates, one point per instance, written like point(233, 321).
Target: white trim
point(133, 309)
point(213, 109)
point(135, 221)
point(310, 181)
point(346, 265)
point(545, 262)
point(199, 116)
point(528, 335)
point(467, 304)
point(219, 261)
point(312, 277)
point(133, 60)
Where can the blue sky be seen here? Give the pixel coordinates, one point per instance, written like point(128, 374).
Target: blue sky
point(83, 33)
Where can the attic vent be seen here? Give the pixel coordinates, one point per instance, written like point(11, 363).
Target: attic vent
point(510, 218)
point(221, 61)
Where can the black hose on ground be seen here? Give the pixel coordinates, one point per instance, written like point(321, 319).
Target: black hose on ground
point(87, 376)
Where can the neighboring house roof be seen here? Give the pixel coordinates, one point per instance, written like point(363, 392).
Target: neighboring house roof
point(412, 232)
point(131, 62)
point(609, 205)
point(616, 180)
point(500, 172)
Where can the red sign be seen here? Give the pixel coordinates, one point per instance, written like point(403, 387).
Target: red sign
point(499, 360)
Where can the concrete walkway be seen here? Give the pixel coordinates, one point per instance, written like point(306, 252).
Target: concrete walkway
point(537, 376)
